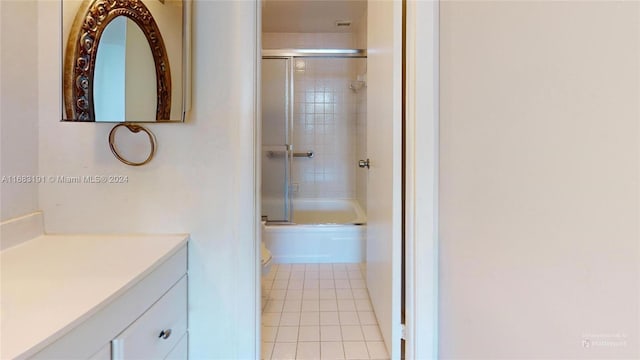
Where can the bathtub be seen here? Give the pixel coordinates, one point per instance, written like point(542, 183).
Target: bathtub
point(322, 231)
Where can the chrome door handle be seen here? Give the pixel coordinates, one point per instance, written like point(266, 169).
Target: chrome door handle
point(363, 163)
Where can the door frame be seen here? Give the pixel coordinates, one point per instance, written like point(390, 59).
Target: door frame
point(421, 178)
point(421, 202)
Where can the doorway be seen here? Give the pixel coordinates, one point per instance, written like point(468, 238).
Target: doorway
point(339, 319)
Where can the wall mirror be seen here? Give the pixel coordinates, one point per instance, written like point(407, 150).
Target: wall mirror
point(125, 60)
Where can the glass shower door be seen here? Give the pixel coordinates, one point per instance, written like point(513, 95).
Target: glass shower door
point(276, 143)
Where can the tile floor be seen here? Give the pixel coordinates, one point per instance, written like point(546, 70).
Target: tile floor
point(318, 311)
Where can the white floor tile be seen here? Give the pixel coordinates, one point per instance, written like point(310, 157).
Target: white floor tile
point(309, 318)
point(344, 294)
point(309, 333)
point(367, 318)
point(280, 284)
point(325, 267)
point(269, 333)
point(278, 294)
point(293, 294)
point(284, 267)
point(349, 318)
point(360, 294)
point(363, 305)
point(371, 333)
point(311, 283)
point(271, 319)
point(328, 305)
point(295, 284)
point(346, 305)
point(327, 284)
point(292, 306)
point(290, 319)
point(339, 267)
point(331, 350)
point(329, 318)
point(355, 350)
point(267, 349)
point(284, 351)
point(311, 294)
point(283, 275)
point(311, 275)
point(327, 294)
point(274, 306)
point(298, 267)
point(330, 333)
point(341, 275)
point(377, 350)
point(308, 351)
point(297, 275)
point(352, 333)
point(287, 334)
point(310, 305)
point(319, 311)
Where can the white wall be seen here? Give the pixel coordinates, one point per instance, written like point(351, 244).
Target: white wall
point(539, 186)
point(200, 181)
point(19, 106)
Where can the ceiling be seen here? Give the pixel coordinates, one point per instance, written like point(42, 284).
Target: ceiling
point(310, 16)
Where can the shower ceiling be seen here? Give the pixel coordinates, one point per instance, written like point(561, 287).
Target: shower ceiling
point(311, 16)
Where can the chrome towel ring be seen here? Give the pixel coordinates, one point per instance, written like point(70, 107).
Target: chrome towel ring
point(135, 129)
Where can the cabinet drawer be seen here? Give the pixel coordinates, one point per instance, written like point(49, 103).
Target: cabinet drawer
point(180, 351)
point(158, 330)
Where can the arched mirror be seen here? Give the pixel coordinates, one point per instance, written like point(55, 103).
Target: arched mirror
point(125, 60)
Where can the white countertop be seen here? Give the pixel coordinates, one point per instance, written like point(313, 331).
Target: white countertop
point(50, 284)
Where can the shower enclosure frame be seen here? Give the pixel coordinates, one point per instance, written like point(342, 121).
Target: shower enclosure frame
point(290, 55)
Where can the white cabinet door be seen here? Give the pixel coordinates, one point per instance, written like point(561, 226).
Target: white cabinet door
point(158, 330)
point(103, 354)
point(180, 352)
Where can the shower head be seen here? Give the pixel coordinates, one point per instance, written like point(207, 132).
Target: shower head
point(356, 85)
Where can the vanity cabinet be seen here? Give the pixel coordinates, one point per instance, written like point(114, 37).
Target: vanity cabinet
point(158, 330)
point(146, 322)
point(118, 299)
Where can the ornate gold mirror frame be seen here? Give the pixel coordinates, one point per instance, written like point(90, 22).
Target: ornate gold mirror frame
point(80, 58)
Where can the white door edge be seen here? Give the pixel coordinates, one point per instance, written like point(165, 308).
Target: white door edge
point(421, 231)
point(257, 171)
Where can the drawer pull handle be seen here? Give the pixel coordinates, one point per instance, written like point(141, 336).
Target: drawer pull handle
point(165, 334)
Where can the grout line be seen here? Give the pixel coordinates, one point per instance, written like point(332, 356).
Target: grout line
point(317, 269)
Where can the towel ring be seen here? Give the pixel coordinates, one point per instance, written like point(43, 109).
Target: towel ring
point(135, 129)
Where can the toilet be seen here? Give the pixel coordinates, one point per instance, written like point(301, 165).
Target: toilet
point(265, 259)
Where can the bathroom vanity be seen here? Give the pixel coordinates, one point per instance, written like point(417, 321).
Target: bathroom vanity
point(95, 297)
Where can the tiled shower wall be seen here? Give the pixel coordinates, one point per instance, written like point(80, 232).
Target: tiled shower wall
point(324, 121)
point(329, 118)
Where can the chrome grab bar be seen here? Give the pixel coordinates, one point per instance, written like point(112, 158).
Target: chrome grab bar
point(309, 154)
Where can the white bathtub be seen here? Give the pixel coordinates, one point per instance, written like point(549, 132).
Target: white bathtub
point(323, 231)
